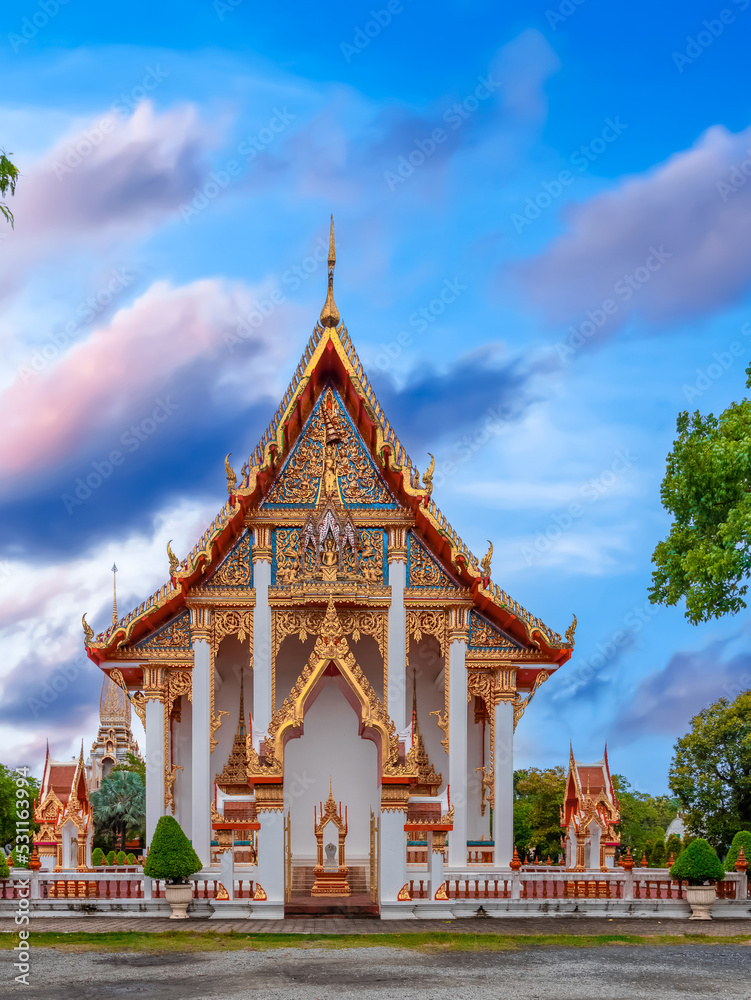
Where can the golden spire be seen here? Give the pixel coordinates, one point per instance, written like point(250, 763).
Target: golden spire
point(329, 313)
point(114, 594)
point(241, 720)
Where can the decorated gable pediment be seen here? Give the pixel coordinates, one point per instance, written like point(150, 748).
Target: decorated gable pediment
point(329, 460)
point(235, 571)
point(484, 635)
point(423, 569)
point(170, 638)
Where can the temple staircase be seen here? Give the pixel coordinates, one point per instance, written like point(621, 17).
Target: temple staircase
point(302, 904)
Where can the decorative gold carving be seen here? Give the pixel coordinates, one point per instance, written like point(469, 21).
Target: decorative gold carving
point(427, 479)
point(424, 569)
point(404, 895)
point(269, 798)
point(521, 704)
point(137, 702)
point(178, 682)
point(262, 543)
point(169, 638)
point(236, 569)
point(425, 621)
point(441, 892)
point(303, 623)
point(174, 562)
point(458, 624)
point(570, 632)
point(485, 564)
point(153, 682)
point(231, 475)
point(234, 776)
point(483, 635)
point(88, 631)
point(397, 551)
point(487, 789)
point(259, 895)
point(331, 647)
point(443, 723)
point(225, 622)
point(394, 798)
point(169, 782)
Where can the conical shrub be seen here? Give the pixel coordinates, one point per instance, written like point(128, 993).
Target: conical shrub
point(171, 855)
point(698, 864)
point(742, 839)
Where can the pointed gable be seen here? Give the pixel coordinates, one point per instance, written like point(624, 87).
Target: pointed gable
point(423, 569)
point(351, 469)
point(484, 635)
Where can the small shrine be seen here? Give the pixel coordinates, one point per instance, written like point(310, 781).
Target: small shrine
point(590, 814)
point(63, 811)
point(331, 875)
point(114, 739)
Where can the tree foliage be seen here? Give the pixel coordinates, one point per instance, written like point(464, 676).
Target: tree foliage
point(706, 557)
point(644, 818)
point(8, 178)
point(742, 839)
point(698, 864)
point(4, 867)
point(132, 763)
point(97, 857)
point(711, 771)
point(537, 810)
point(171, 855)
point(10, 781)
point(119, 804)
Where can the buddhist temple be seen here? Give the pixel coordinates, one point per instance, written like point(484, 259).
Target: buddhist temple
point(64, 814)
point(331, 656)
point(590, 814)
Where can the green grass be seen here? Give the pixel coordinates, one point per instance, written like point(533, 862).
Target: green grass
point(432, 941)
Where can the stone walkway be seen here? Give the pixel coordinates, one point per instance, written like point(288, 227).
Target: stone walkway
point(518, 926)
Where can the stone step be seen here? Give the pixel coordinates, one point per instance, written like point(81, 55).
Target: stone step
point(303, 878)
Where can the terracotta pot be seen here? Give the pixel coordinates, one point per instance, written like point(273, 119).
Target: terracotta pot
point(700, 898)
point(178, 897)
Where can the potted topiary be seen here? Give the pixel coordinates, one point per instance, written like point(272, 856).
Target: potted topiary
point(111, 858)
point(701, 868)
point(131, 858)
point(120, 859)
point(742, 839)
point(97, 857)
point(172, 858)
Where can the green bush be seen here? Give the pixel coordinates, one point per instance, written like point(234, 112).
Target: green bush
point(741, 839)
point(171, 856)
point(698, 864)
point(111, 858)
point(4, 869)
point(121, 857)
point(131, 859)
point(97, 857)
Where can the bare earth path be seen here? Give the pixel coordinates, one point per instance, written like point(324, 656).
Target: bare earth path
point(670, 972)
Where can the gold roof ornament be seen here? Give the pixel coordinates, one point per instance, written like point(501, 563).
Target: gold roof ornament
point(485, 564)
point(231, 475)
point(427, 479)
point(174, 562)
point(329, 313)
point(114, 593)
point(88, 631)
point(570, 632)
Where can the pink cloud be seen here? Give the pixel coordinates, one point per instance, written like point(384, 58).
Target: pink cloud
point(169, 338)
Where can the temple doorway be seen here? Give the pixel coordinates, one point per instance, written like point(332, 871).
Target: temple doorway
point(330, 754)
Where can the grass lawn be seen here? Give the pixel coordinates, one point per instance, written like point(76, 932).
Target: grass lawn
point(434, 941)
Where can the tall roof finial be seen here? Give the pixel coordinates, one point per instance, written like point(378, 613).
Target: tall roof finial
point(114, 594)
point(241, 720)
point(329, 313)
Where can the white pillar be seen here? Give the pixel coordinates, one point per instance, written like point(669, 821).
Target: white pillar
point(393, 854)
point(262, 707)
point(595, 835)
point(503, 781)
point(201, 790)
point(154, 765)
point(435, 862)
point(397, 644)
point(458, 751)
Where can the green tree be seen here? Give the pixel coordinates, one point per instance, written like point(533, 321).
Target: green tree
point(97, 857)
point(673, 846)
point(643, 817)
point(706, 557)
point(10, 782)
point(658, 857)
point(132, 763)
point(539, 797)
point(4, 869)
point(8, 178)
point(711, 771)
point(119, 804)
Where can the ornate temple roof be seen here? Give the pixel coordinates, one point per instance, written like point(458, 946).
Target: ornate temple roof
point(330, 360)
point(589, 783)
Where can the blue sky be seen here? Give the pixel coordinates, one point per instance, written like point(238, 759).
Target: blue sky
point(543, 256)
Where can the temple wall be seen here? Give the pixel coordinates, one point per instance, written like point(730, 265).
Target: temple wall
point(331, 745)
